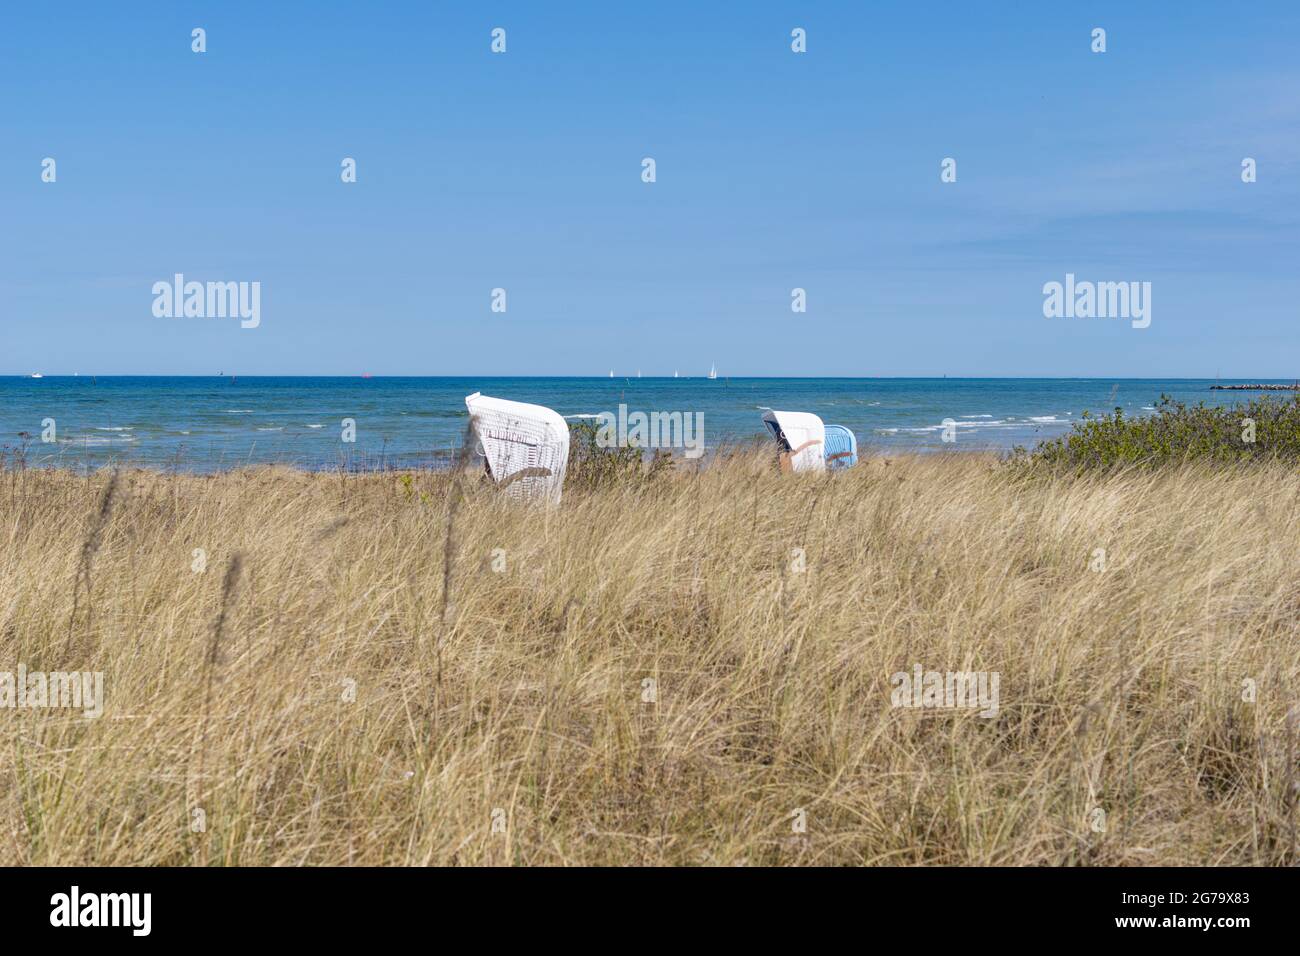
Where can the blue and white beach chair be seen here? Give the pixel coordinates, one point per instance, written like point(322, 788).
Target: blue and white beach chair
point(841, 447)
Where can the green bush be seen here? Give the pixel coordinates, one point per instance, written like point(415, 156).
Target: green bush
point(591, 466)
point(1176, 433)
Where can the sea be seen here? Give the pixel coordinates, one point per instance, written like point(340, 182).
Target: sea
point(206, 424)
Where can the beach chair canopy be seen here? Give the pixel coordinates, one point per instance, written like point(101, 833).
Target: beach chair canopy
point(841, 447)
point(802, 438)
point(526, 447)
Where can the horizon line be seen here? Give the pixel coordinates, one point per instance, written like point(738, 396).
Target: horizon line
point(701, 377)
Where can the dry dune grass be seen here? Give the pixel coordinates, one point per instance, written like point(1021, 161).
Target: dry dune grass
point(513, 723)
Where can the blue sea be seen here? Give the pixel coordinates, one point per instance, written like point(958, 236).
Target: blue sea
point(210, 424)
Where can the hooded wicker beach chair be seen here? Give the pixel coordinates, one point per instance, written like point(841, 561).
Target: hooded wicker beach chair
point(841, 447)
point(525, 447)
point(802, 438)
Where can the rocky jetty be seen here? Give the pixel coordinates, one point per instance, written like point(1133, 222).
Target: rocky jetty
point(1258, 388)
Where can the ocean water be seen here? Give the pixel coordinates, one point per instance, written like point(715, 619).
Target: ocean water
point(207, 424)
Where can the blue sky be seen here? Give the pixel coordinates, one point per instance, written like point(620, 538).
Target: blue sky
point(775, 170)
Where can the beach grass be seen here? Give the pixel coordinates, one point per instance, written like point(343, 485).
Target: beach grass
point(406, 669)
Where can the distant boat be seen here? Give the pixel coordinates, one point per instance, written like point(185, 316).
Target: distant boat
point(674, 374)
point(37, 375)
point(713, 371)
point(611, 373)
point(638, 373)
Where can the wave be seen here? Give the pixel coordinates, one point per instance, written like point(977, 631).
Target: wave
point(924, 429)
point(98, 440)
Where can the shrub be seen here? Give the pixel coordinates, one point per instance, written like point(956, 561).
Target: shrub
point(592, 466)
point(1176, 433)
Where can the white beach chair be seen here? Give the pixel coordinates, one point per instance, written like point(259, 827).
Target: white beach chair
point(802, 438)
point(526, 447)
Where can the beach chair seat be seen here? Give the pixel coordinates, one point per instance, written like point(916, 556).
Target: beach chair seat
point(841, 447)
point(801, 437)
point(525, 447)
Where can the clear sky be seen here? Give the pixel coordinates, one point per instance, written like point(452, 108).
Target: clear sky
point(775, 170)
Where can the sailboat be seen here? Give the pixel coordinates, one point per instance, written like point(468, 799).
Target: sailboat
point(638, 373)
point(713, 371)
point(674, 373)
point(611, 373)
